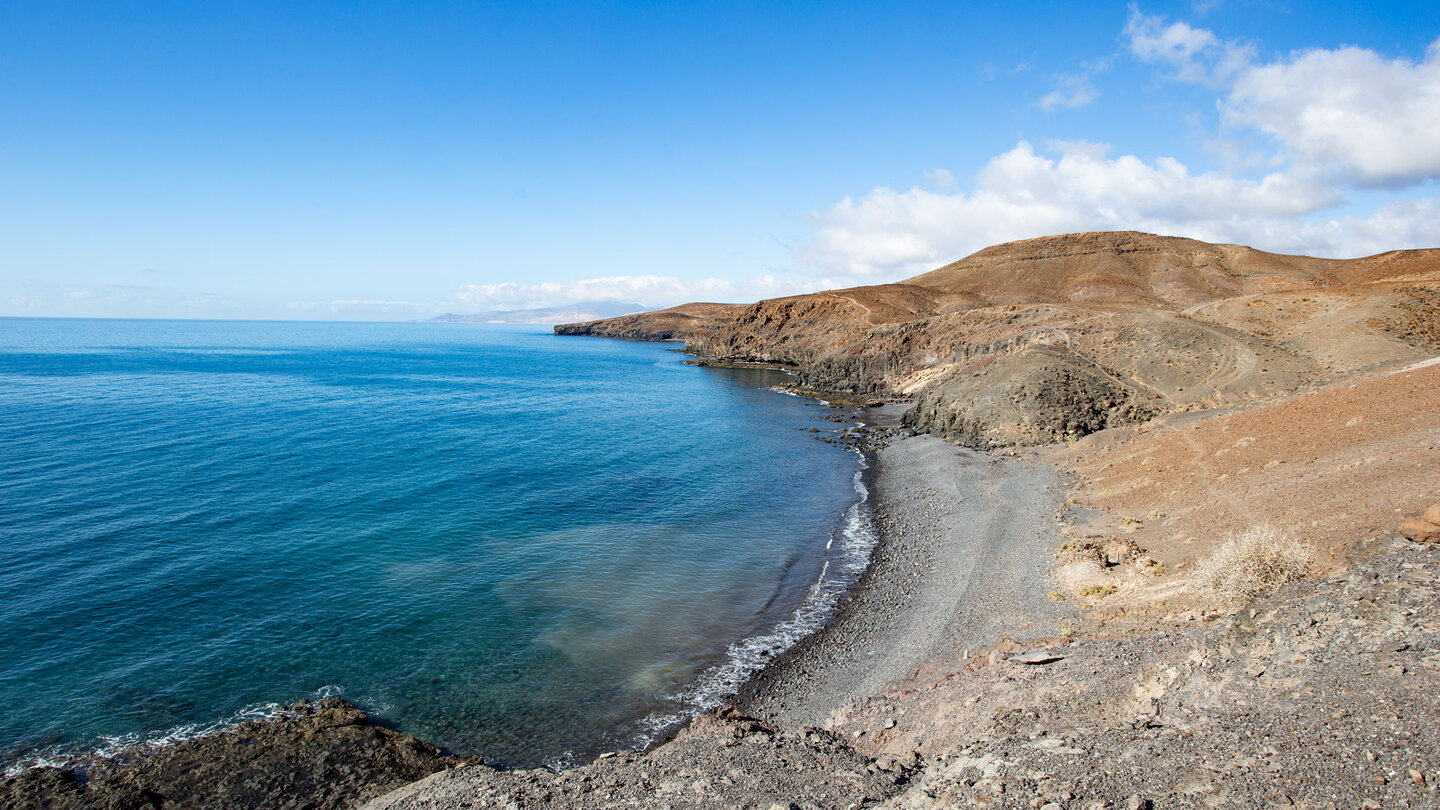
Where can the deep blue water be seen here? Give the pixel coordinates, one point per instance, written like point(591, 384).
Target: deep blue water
point(505, 542)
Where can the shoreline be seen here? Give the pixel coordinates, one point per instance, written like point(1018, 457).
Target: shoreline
point(61, 773)
point(964, 557)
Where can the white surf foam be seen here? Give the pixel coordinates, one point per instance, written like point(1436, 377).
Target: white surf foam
point(111, 747)
point(849, 553)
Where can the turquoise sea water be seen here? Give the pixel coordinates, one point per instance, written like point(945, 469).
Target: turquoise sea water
point(505, 542)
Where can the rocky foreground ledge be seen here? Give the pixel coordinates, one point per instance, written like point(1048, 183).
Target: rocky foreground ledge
point(325, 756)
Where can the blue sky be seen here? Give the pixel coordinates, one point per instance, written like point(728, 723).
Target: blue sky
point(385, 160)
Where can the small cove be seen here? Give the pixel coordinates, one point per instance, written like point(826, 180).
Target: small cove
point(506, 543)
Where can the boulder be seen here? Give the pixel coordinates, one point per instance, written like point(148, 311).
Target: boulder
point(1432, 515)
point(1421, 531)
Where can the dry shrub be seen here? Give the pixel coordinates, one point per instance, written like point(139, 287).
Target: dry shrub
point(1097, 591)
point(1103, 552)
point(1256, 562)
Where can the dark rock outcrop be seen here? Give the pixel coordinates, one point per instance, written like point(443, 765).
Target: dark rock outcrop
point(1035, 396)
point(322, 755)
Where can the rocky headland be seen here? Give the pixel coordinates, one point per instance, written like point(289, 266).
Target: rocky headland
point(665, 324)
point(1161, 528)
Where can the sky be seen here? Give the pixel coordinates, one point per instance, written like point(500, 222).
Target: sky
point(399, 160)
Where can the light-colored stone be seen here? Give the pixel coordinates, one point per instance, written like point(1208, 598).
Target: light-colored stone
point(1432, 515)
point(1421, 531)
point(1037, 657)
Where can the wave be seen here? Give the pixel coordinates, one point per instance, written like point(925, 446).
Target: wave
point(113, 747)
point(847, 555)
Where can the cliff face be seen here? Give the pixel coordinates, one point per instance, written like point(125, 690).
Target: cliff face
point(1033, 396)
point(1101, 328)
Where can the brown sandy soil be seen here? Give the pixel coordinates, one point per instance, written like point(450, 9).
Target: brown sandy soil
point(1331, 467)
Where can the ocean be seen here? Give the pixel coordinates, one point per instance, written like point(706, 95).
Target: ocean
point(527, 547)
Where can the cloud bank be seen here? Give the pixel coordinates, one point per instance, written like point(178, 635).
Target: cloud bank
point(1300, 136)
point(650, 290)
point(1376, 121)
point(1333, 121)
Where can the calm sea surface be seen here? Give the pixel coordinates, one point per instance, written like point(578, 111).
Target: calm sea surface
point(507, 543)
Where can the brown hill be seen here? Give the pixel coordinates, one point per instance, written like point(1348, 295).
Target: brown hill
point(1089, 330)
point(1126, 267)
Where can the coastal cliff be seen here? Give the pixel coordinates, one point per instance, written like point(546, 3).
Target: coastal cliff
point(1107, 328)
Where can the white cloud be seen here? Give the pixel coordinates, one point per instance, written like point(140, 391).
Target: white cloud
point(941, 179)
point(648, 290)
point(1195, 54)
point(1350, 109)
point(1022, 193)
point(1330, 121)
point(1072, 91)
point(1397, 225)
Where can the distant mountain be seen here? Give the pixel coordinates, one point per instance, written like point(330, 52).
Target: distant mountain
point(569, 313)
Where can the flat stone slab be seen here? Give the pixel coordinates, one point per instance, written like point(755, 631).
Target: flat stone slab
point(1037, 657)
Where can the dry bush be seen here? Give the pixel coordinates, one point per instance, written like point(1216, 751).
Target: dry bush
point(1103, 552)
point(1151, 566)
point(1256, 562)
point(1097, 591)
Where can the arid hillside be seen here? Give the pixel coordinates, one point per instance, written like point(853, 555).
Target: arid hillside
point(1046, 339)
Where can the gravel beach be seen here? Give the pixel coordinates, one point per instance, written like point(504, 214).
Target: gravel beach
point(965, 557)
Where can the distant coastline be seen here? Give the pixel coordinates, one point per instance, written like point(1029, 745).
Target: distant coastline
point(583, 311)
